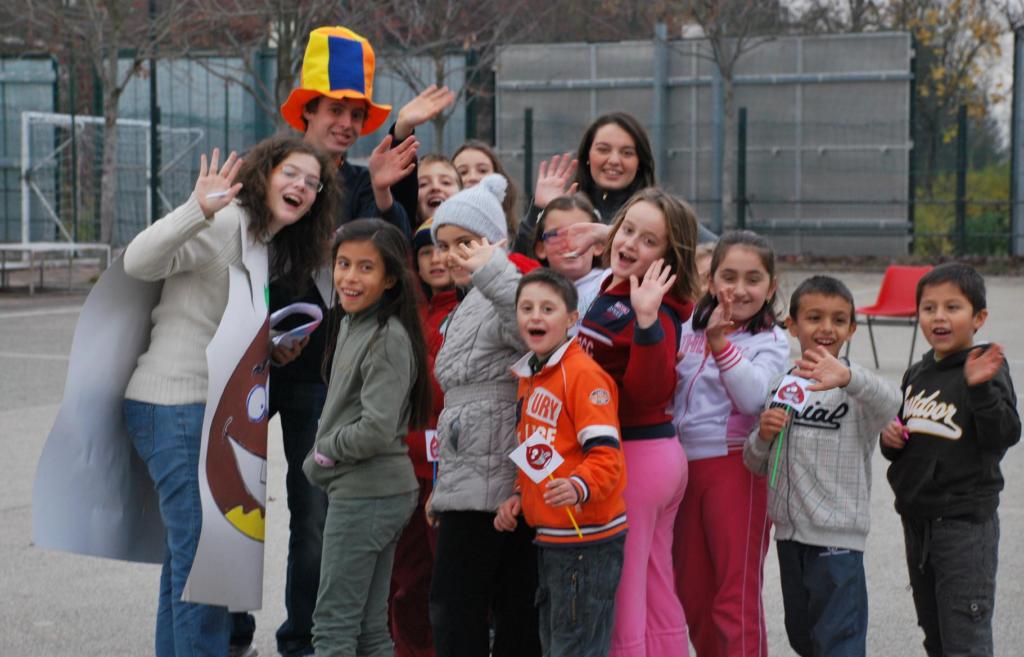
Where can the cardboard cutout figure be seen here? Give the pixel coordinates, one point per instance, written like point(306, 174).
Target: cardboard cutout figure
point(236, 463)
point(92, 494)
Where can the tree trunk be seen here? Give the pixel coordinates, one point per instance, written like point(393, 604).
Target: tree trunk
point(729, 153)
point(108, 175)
point(441, 118)
point(284, 81)
point(108, 170)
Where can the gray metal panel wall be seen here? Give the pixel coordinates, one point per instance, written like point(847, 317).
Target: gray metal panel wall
point(828, 142)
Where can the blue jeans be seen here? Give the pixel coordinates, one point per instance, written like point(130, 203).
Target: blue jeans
point(952, 564)
point(825, 596)
point(300, 405)
point(576, 597)
point(167, 438)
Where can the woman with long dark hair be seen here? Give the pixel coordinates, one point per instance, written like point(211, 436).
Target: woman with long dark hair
point(614, 161)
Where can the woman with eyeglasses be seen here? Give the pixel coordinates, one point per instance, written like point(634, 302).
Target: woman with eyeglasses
point(281, 196)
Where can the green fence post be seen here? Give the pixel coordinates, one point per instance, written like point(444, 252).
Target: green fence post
point(528, 149)
point(472, 59)
point(741, 169)
point(961, 181)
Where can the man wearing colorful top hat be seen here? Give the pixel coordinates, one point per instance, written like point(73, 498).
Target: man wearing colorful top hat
point(333, 106)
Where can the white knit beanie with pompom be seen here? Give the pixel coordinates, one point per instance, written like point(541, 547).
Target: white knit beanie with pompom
point(477, 209)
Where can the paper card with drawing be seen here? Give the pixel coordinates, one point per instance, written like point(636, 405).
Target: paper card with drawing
point(536, 458)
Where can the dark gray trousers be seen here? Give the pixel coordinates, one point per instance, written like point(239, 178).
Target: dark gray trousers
point(952, 564)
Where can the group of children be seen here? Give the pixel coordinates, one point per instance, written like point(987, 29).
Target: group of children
point(648, 370)
point(574, 449)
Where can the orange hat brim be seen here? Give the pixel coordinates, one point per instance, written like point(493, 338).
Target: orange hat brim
point(292, 108)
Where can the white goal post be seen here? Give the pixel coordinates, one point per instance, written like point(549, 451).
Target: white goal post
point(47, 141)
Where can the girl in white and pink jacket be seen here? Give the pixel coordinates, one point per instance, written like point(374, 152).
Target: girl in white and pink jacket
point(730, 350)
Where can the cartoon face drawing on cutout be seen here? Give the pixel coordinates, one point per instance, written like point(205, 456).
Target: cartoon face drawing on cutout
point(538, 456)
point(236, 457)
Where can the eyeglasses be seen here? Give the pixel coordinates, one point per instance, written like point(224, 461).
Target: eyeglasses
point(312, 183)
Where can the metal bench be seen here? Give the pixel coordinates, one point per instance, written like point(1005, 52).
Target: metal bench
point(36, 252)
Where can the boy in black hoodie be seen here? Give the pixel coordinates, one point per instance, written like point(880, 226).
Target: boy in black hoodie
point(957, 420)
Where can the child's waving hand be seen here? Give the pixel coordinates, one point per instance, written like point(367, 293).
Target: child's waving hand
point(982, 364)
point(646, 295)
point(720, 321)
point(575, 239)
point(819, 364)
point(476, 254)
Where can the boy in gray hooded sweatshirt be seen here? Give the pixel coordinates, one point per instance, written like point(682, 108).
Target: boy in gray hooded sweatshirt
point(820, 503)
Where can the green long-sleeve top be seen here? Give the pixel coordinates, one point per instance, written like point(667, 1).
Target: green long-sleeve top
point(366, 414)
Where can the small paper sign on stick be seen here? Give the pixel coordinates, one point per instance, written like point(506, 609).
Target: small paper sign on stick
point(792, 392)
point(539, 460)
point(536, 458)
point(433, 447)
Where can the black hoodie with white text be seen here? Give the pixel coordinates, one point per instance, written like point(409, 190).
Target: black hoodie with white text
point(958, 434)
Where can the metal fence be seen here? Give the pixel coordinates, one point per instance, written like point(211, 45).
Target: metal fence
point(828, 155)
point(26, 84)
point(203, 104)
point(828, 136)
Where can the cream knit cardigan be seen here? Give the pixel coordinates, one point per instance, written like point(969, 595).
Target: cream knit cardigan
point(191, 255)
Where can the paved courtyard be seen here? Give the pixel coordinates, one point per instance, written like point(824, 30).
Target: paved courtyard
point(54, 603)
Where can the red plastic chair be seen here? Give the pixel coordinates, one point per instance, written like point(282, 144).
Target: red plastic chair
point(896, 303)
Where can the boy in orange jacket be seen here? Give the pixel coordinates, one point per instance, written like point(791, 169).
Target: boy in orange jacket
point(568, 399)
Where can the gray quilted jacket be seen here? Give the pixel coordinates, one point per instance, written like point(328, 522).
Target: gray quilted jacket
point(477, 428)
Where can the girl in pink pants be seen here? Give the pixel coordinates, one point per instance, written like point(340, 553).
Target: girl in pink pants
point(632, 331)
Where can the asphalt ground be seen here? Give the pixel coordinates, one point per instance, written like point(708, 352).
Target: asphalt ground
point(53, 603)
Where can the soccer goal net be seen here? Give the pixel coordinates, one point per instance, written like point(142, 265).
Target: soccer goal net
point(61, 167)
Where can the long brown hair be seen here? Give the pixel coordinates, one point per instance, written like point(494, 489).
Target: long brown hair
point(681, 230)
point(398, 300)
point(645, 168)
point(511, 203)
point(301, 248)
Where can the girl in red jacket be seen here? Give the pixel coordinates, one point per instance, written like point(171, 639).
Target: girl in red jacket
point(632, 330)
point(414, 555)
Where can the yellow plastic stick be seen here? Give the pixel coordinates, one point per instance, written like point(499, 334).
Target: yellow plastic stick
point(569, 511)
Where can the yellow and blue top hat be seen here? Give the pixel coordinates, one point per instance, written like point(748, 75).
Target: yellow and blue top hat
point(338, 64)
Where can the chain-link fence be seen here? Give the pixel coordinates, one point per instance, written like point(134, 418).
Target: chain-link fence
point(26, 84)
point(827, 163)
point(50, 172)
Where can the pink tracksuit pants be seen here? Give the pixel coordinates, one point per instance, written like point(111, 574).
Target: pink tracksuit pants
point(649, 619)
